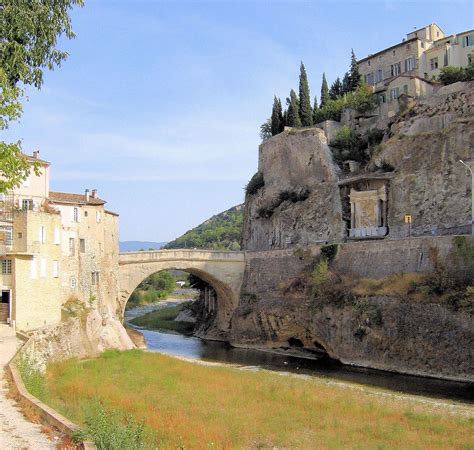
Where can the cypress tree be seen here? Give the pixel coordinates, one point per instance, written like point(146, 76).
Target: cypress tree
point(336, 89)
point(315, 110)
point(282, 117)
point(277, 116)
point(354, 74)
point(305, 110)
point(324, 91)
point(293, 117)
point(346, 83)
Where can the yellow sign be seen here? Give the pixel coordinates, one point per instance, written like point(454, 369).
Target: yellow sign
point(407, 218)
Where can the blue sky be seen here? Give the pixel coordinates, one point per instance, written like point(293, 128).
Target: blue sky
point(160, 102)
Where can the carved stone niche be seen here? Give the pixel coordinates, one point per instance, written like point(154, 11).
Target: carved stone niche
point(367, 198)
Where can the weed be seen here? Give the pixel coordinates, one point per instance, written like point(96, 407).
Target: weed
point(255, 184)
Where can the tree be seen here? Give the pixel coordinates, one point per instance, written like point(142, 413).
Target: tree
point(354, 74)
point(28, 36)
point(315, 110)
point(336, 89)
point(266, 130)
point(346, 83)
point(277, 125)
point(305, 111)
point(324, 91)
point(293, 117)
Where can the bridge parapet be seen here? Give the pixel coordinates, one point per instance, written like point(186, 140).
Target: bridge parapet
point(180, 255)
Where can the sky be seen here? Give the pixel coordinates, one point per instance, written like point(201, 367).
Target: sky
point(159, 104)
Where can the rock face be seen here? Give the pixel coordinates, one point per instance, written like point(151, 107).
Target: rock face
point(431, 338)
point(294, 162)
point(430, 183)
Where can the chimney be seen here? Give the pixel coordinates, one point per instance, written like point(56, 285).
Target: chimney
point(94, 193)
point(36, 154)
point(87, 195)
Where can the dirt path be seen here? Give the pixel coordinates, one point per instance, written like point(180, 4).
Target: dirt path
point(15, 431)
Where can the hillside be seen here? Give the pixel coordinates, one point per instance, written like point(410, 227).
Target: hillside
point(135, 246)
point(221, 232)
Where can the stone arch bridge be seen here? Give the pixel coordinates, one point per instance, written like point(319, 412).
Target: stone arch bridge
point(224, 271)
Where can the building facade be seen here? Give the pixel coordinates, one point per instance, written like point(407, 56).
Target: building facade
point(419, 59)
point(55, 248)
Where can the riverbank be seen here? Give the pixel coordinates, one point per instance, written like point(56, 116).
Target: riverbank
point(192, 405)
point(164, 319)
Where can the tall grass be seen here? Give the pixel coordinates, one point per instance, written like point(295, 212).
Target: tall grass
point(193, 406)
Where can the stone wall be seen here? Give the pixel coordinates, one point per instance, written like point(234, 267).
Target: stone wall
point(390, 333)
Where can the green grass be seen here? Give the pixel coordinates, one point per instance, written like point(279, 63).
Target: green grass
point(163, 319)
point(186, 405)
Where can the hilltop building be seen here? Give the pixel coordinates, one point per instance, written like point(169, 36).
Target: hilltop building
point(54, 248)
point(410, 66)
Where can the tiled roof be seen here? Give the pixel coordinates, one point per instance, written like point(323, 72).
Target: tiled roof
point(79, 199)
point(111, 213)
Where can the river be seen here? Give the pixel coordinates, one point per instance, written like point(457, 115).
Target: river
point(194, 348)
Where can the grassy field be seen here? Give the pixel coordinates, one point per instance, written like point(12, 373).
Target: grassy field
point(186, 405)
point(163, 319)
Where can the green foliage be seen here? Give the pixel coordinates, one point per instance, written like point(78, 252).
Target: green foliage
point(292, 116)
point(73, 307)
point(156, 287)
point(320, 273)
point(451, 74)
point(266, 130)
point(349, 146)
point(367, 312)
point(315, 110)
point(324, 92)
point(112, 430)
point(164, 319)
point(354, 80)
point(336, 89)
point(33, 380)
point(255, 184)
point(305, 111)
point(362, 99)
point(221, 232)
point(277, 124)
point(329, 252)
point(28, 35)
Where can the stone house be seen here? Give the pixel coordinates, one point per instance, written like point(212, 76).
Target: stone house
point(419, 56)
point(57, 247)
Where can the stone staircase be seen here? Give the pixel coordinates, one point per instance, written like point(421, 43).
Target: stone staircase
point(4, 309)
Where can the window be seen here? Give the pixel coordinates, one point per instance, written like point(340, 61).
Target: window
point(410, 64)
point(382, 98)
point(57, 235)
point(393, 52)
point(72, 247)
point(43, 267)
point(396, 69)
point(394, 93)
point(95, 278)
point(42, 236)
point(6, 266)
point(33, 267)
point(86, 213)
point(27, 204)
point(82, 245)
point(434, 63)
point(368, 62)
point(445, 62)
point(75, 216)
point(422, 45)
point(379, 76)
point(72, 283)
point(97, 216)
point(55, 269)
point(468, 40)
point(369, 78)
point(405, 89)
point(20, 235)
point(469, 60)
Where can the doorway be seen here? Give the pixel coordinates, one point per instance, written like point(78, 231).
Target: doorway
point(5, 306)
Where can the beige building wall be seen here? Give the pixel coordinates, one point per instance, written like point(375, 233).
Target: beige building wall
point(36, 289)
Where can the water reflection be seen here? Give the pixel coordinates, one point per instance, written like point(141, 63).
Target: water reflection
point(191, 347)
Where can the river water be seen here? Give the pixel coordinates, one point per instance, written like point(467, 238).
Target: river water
point(191, 347)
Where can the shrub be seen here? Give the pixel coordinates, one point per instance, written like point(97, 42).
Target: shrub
point(451, 74)
point(329, 252)
point(375, 136)
point(255, 184)
point(350, 144)
point(320, 273)
point(386, 167)
point(34, 381)
point(111, 430)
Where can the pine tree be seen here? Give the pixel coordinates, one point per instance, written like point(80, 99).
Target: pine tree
point(324, 91)
point(336, 89)
point(354, 74)
point(315, 110)
point(346, 83)
point(277, 117)
point(293, 117)
point(305, 110)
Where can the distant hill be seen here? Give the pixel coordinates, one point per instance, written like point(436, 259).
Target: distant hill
point(135, 246)
point(221, 232)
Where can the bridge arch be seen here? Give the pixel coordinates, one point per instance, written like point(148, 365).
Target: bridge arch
point(221, 270)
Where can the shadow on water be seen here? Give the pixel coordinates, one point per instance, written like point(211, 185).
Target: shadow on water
point(192, 347)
